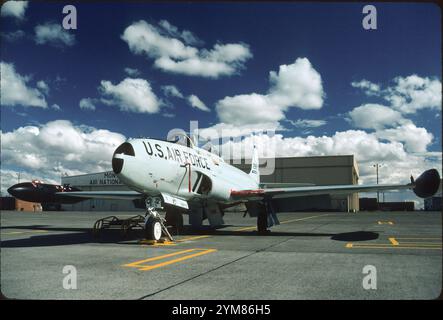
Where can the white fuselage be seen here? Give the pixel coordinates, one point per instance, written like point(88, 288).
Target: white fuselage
point(163, 167)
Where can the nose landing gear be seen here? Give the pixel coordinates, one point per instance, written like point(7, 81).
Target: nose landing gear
point(154, 222)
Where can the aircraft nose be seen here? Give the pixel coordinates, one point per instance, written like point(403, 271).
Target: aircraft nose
point(12, 190)
point(20, 189)
point(117, 165)
point(117, 161)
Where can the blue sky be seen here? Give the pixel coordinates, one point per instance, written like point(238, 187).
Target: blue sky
point(329, 37)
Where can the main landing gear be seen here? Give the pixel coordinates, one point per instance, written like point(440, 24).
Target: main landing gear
point(265, 213)
point(154, 222)
point(262, 221)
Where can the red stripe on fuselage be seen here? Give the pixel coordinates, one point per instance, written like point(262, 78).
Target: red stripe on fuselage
point(247, 192)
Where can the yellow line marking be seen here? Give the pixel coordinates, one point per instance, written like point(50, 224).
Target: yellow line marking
point(134, 264)
point(192, 238)
point(140, 264)
point(372, 244)
point(162, 264)
point(394, 244)
point(20, 232)
point(157, 243)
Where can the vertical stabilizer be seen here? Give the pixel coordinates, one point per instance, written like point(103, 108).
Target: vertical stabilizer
point(255, 171)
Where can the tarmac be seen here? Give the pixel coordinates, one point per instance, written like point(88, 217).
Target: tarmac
point(310, 255)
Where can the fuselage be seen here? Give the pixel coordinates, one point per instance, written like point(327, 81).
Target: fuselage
point(153, 166)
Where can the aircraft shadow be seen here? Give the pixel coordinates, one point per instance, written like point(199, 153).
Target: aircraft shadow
point(85, 236)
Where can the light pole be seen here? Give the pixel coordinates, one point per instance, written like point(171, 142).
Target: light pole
point(377, 165)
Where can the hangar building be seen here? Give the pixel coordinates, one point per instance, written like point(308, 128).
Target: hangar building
point(321, 170)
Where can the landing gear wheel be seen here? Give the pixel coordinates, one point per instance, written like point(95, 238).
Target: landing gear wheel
point(262, 221)
point(153, 229)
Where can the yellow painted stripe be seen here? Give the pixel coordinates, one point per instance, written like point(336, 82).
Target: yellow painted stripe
point(393, 241)
point(156, 243)
point(192, 238)
point(349, 245)
point(134, 264)
point(166, 263)
point(373, 244)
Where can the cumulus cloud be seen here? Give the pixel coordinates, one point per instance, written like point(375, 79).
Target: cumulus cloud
point(413, 93)
point(368, 148)
point(369, 88)
point(248, 109)
point(13, 35)
point(133, 95)
point(375, 116)
point(195, 102)
point(170, 54)
point(15, 89)
point(192, 100)
point(187, 36)
point(87, 104)
point(295, 85)
point(226, 131)
point(172, 91)
point(407, 94)
point(132, 72)
point(53, 34)
point(306, 123)
point(415, 139)
point(43, 86)
point(58, 147)
point(14, 9)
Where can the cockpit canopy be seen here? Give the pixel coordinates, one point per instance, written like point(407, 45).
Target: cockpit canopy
point(182, 139)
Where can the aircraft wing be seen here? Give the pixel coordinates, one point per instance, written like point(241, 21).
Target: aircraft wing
point(120, 195)
point(284, 184)
point(426, 185)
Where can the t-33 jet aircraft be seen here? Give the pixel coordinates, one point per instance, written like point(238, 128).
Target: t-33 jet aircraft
point(182, 178)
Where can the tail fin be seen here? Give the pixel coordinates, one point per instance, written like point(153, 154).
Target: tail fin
point(255, 171)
